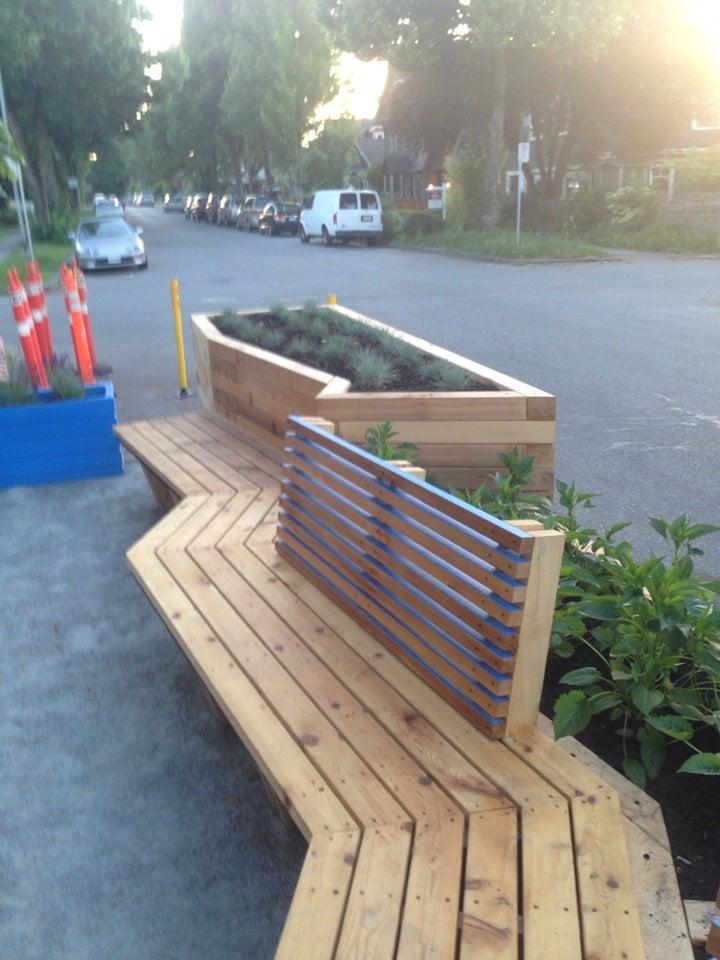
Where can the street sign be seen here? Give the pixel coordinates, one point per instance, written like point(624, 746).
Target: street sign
point(523, 153)
point(73, 183)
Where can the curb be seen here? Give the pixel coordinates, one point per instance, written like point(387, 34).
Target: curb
point(507, 261)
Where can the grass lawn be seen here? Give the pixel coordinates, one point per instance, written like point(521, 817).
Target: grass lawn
point(500, 244)
point(48, 255)
point(662, 238)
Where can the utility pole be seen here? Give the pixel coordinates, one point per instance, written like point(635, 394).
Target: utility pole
point(17, 184)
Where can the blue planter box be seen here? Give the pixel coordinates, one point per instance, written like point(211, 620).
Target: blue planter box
point(56, 440)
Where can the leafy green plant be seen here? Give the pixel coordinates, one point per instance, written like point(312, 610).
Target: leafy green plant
point(282, 313)
point(633, 207)
point(336, 350)
point(66, 384)
point(446, 376)
point(271, 339)
point(371, 370)
point(379, 440)
point(507, 496)
point(299, 347)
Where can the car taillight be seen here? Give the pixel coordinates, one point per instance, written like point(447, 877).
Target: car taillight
point(335, 218)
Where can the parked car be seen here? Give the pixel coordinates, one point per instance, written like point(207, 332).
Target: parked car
point(198, 211)
point(279, 217)
point(342, 215)
point(213, 203)
point(228, 210)
point(174, 203)
point(107, 208)
point(249, 213)
point(107, 242)
point(189, 205)
point(147, 200)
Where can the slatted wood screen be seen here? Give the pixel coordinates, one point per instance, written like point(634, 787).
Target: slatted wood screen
point(438, 582)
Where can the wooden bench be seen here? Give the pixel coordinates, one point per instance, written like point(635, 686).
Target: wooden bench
point(380, 653)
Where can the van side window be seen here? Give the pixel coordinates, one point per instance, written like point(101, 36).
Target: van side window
point(348, 201)
point(368, 201)
point(309, 203)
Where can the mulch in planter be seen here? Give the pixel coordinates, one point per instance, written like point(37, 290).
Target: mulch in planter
point(371, 359)
point(690, 803)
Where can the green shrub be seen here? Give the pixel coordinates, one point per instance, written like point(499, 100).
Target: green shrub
point(391, 225)
point(650, 628)
point(379, 441)
point(299, 347)
point(585, 211)
point(465, 171)
point(336, 350)
point(281, 312)
point(633, 207)
point(271, 339)
point(371, 370)
point(698, 171)
point(66, 384)
point(60, 223)
point(16, 390)
point(419, 223)
point(446, 376)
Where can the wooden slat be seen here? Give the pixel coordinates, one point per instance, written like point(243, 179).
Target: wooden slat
point(460, 406)
point(418, 546)
point(489, 925)
point(488, 669)
point(413, 589)
point(551, 926)
point(168, 471)
point(316, 913)
point(372, 917)
point(502, 533)
point(340, 582)
point(510, 432)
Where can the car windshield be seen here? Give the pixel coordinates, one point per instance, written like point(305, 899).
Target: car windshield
point(368, 201)
point(104, 229)
point(348, 201)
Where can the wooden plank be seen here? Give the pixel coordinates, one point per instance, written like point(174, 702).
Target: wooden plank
point(316, 913)
point(469, 478)
point(551, 926)
point(168, 471)
point(476, 520)
point(541, 408)
point(441, 761)
point(396, 513)
point(258, 447)
point(312, 805)
point(165, 496)
point(508, 432)
point(256, 363)
point(372, 917)
point(341, 766)
point(608, 907)
point(415, 545)
point(534, 638)
point(430, 406)
point(637, 805)
point(700, 914)
point(664, 926)
point(426, 616)
point(489, 757)
point(430, 917)
point(194, 468)
point(489, 922)
point(342, 587)
point(457, 455)
point(713, 941)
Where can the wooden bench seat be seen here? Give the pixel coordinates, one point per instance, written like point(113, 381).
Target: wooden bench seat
point(436, 827)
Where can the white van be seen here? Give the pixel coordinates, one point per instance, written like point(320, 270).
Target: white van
point(342, 215)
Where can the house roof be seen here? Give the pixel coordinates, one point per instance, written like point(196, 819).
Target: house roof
point(372, 151)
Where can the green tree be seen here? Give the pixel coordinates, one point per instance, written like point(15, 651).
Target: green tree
point(9, 154)
point(74, 78)
point(325, 160)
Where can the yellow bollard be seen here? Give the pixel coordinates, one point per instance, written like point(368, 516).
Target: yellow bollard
point(177, 318)
point(331, 299)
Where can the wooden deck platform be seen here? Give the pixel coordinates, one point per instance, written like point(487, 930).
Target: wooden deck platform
point(426, 839)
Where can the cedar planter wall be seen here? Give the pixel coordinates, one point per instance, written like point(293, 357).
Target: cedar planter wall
point(458, 435)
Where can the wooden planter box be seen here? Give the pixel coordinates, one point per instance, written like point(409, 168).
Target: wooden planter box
point(458, 435)
point(55, 440)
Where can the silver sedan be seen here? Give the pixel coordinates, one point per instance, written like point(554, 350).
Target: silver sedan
point(108, 242)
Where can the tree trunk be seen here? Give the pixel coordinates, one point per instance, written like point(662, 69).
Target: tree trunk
point(495, 144)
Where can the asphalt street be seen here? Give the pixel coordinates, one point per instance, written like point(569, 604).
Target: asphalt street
point(631, 349)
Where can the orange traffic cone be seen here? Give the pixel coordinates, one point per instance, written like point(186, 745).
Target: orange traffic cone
point(82, 294)
point(38, 306)
point(26, 331)
point(77, 327)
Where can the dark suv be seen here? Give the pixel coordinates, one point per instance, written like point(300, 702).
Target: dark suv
point(198, 210)
point(250, 212)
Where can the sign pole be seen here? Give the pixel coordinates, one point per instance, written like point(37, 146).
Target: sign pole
point(523, 157)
